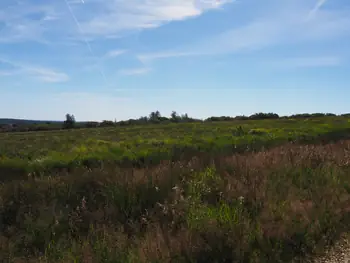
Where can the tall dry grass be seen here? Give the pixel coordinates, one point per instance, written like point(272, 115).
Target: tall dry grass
point(271, 206)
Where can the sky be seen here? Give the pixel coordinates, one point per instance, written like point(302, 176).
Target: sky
point(121, 59)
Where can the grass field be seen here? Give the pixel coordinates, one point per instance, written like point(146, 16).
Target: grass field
point(250, 191)
point(45, 152)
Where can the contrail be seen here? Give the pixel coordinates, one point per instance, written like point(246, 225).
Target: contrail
point(314, 10)
point(85, 40)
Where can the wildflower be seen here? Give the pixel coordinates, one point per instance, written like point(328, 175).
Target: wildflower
point(241, 200)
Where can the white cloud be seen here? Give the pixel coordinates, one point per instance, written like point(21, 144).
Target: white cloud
point(135, 71)
point(144, 58)
point(52, 22)
point(47, 75)
point(118, 16)
point(38, 72)
point(28, 21)
point(115, 53)
point(43, 20)
point(256, 35)
point(283, 25)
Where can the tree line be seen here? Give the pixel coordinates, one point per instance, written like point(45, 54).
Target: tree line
point(154, 117)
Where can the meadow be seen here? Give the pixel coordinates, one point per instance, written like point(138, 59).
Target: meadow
point(238, 191)
point(46, 152)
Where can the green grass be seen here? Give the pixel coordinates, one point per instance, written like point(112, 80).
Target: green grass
point(45, 152)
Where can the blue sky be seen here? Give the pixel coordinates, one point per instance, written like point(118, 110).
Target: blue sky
point(107, 59)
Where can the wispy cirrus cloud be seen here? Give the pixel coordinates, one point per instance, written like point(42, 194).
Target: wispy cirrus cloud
point(104, 58)
point(115, 53)
point(284, 24)
point(134, 71)
point(119, 16)
point(274, 23)
point(255, 35)
point(82, 22)
point(48, 20)
point(46, 74)
point(23, 21)
point(314, 10)
point(37, 72)
point(145, 58)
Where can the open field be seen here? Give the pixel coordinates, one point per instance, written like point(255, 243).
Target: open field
point(45, 152)
point(181, 193)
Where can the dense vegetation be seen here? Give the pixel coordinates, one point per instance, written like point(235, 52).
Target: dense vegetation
point(46, 152)
point(251, 190)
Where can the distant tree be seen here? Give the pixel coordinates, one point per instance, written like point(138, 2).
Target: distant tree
point(184, 117)
point(261, 116)
point(164, 119)
point(143, 120)
point(300, 115)
point(69, 122)
point(107, 123)
point(221, 118)
point(175, 117)
point(241, 117)
point(154, 116)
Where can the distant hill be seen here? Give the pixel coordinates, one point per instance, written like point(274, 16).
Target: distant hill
point(24, 122)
